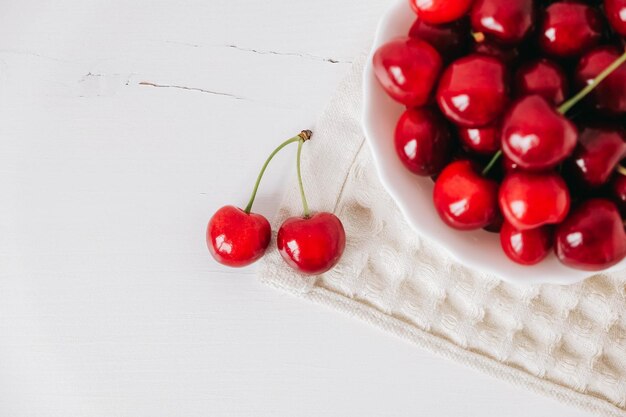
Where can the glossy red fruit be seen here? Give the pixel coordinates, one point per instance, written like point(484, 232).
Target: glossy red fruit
point(610, 95)
point(598, 152)
point(615, 11)
point(507, 22)
point(407, 69)
point(423, 142)
point(440, 11)
point(592, 238)
point(464, 199)
point(535, 136)
point(472, 91)
point(542, 77)
point(312, 245)
point(482, 140)
point(529, 200)
point(526, 247)
point(617, 188)
point(569, 29)
point(236, 238)
point(449, 39)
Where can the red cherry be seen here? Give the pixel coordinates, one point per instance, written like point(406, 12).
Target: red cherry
point(440, 11)
point(236, 238)
point(616, 14)
point(505, 21)
point(472, 91)
point(423, 141)
point(509, 56)
point(610, 94)
point(592, 238)
point(464, 199)
point(407, 69)
point(535, 136)
point(569, 29)
point(449, 39)
point(598, 152)
point(529, 200)
point(482, 140)
point(312, 245)
point(526, 247)
point(542, 77)
point(618, 192)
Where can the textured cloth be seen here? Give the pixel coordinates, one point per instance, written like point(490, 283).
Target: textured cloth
point(568, 342)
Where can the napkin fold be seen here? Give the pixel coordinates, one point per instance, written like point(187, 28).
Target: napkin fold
point(568, 342)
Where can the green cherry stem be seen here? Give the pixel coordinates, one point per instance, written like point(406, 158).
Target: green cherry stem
point(298, 137)
point(492, 162)
point(565, 107)
point(621, 169)
point(305, 205)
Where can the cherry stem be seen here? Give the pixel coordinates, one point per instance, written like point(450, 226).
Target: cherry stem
point(621, 169)
point(305, 205)
point(299, 137)
point(492, 162)
point(565, 107)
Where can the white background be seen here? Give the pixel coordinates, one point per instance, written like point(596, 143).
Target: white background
point(109, 302)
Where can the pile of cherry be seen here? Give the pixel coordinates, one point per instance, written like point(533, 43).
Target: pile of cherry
point(517, 110)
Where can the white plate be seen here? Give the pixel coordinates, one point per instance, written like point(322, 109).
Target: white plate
point(479, 250)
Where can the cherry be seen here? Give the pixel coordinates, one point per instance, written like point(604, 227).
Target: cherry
point(407, 69)
point(616, 14)
point(529, 200)
point(464, 199)
point(423, 142)
point(508, 22)
point(535, 136)
point(526, 247)
point(482, 140)
point(312, 245)
point(592, 238)
point(472, 91)
point(569, 29)
point(610, 95)
point(598, 152)
point(236, 238)
point(440, 11)
point(449, 39)
point(542, 77)
point(617, 188)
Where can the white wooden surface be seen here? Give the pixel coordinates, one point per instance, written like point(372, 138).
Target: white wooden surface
point(109, 303)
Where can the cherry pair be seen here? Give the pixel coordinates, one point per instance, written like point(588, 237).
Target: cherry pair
point(311, 244)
